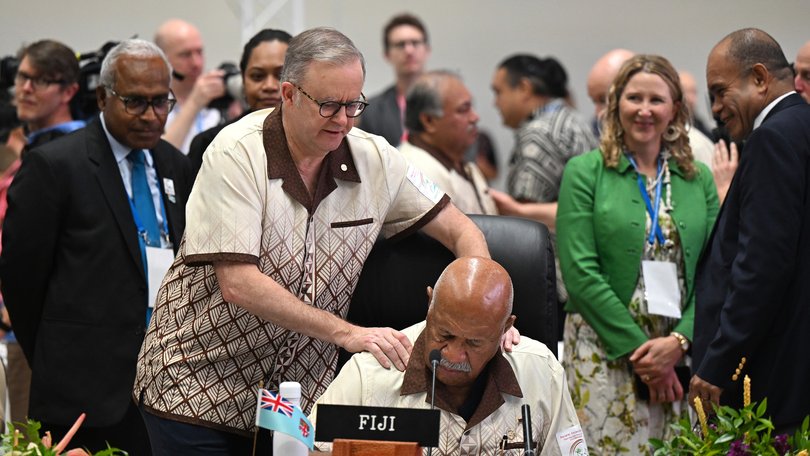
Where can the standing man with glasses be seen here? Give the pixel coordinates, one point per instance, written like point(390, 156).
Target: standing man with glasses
point(284, 212)
point(79, 250)
point(45, 83)
point(405, 40)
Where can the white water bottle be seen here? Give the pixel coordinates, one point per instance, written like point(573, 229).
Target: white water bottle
point(283, 444)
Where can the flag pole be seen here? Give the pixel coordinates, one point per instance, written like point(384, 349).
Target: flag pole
point(256, 427)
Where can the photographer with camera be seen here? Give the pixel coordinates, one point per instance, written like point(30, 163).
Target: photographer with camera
point(194, 90)
point(44, 83)
point(260, 67)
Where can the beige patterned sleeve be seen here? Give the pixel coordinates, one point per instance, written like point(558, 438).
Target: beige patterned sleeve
point(224, 211)
point(415, 199)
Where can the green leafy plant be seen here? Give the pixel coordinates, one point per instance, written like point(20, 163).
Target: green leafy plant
point(747, 431)
point(23, 439)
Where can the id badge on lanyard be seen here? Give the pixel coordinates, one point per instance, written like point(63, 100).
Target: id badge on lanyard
point(661, 290)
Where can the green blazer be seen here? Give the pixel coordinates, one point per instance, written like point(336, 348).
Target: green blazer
point(600, 240)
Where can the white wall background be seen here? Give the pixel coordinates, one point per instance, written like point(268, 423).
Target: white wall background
point(469, 36)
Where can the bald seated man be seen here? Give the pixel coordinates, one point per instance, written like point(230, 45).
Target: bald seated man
point(193, 88)
point(479, 388)
point(802, 69)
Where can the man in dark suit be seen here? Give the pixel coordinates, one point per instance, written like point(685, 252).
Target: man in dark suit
point(753, 294)
point(405, 40)
point(77, 244)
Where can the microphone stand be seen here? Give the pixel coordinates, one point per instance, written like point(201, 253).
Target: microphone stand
point(435, 357)
point(527, 431)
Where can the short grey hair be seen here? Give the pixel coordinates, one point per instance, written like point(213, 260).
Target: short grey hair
point(133, 48)
point(425, 97)
point(321, 44)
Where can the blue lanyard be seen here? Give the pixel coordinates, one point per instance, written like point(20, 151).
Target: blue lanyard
point(655, 233)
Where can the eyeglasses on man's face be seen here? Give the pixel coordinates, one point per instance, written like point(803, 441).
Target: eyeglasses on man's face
point(37, 82)
point(400, 45)
point(137, 106)
point(330, 108)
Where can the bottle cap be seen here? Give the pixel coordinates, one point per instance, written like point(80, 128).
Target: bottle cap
point(290, 391)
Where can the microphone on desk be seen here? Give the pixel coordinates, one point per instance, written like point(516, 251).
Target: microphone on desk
point(527, 431)
point(435, 357)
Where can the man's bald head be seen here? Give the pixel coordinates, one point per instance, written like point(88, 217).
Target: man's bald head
point(183, 46)
point(470, 309)
point(474, 287)
point(602, 74)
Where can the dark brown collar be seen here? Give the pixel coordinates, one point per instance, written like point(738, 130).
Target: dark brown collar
point(338, 164)
point(501, 380)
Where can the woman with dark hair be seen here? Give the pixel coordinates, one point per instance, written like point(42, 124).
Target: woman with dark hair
point(261, 65)
point(632, 220)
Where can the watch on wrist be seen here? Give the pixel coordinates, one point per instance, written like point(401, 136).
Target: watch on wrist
point(682, 340)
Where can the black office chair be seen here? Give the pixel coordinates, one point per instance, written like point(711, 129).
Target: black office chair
point(391, 290)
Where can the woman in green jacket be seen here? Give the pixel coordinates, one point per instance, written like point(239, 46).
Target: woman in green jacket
point(632, 220)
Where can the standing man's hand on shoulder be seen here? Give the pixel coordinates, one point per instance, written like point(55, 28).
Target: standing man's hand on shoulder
point(386, 344)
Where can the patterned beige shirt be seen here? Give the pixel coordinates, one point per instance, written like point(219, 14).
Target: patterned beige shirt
point(203, 358)
point(528, 375)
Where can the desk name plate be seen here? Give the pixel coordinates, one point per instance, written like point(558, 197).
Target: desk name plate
point(377, 423)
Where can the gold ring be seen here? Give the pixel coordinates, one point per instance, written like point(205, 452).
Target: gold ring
point(646, 378)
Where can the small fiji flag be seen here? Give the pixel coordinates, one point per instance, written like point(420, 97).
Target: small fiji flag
point(278, 414)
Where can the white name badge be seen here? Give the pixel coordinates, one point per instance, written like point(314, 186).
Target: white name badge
point(662, 292)
point(425, 186)
point(158, 262)
point(572, 441)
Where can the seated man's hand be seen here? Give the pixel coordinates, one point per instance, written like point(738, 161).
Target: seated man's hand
point(505, 203)
point(510, 337)
point(386, 344)
point(725, 161)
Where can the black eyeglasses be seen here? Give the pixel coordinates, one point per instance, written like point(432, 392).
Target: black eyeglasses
point(330, 108)
point(37, 82)
point(404, 43)
point(136, 106)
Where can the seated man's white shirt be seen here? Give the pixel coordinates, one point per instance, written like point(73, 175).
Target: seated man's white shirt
point(541, 380)
point(469, 194)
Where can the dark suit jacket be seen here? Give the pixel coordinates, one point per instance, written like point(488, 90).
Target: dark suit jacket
point(753, 282)
point(382, 117)
point(72, 273)
point(201, 142)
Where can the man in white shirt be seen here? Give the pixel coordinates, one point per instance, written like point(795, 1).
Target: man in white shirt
point(194, 89)
point(479, 389)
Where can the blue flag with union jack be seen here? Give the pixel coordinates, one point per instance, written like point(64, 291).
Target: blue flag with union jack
point(278, 414)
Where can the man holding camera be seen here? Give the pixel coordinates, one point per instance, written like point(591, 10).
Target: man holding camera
point(182, 44)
